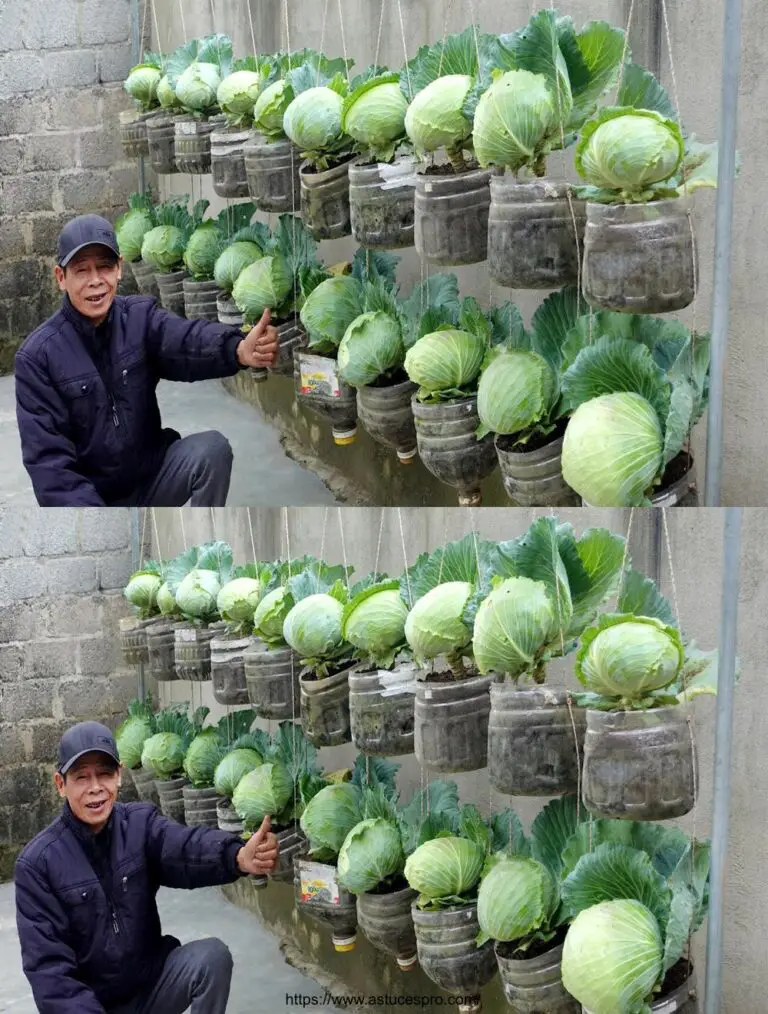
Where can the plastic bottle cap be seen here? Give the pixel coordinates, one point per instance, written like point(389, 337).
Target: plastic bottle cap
point(344, 437)
point(406, 457)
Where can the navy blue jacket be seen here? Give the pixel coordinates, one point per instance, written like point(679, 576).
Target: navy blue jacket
point(88, 924)
point(85, 397)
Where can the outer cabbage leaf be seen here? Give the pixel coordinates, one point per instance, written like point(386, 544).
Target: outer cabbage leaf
point(202, 758)
point(516, 390)
point(512, 120)
point(313, 626)
point(233, 767)
point(374, 622)
point(517, 897)
point(371, 346)
point(513, 626)
point(444, 868)
point(374, 116)
point(330, 309)
point(266, 284)
point(435, 118)
point(264, 791)
point(371, 852)
point(435, 625)
point(329, 817)
point(445, 362)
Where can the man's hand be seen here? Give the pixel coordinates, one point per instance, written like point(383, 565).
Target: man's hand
point(259, 347)
point(259, 854)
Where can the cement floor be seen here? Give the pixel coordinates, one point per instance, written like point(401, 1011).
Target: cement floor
point(261, 981)
point(262, 475)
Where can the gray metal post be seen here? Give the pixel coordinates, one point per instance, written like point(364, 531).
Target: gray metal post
point(729, 111)
point(136, 554)
point(136, 53)
point(723, 743)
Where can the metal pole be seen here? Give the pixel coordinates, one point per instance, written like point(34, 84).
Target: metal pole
point(722, 768)
point(656, 548)
point(136, 46)
point(136, 553)
point(729, 110)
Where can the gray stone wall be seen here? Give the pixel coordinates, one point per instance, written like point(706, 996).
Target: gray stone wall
point(61, 578)
point(61, 71)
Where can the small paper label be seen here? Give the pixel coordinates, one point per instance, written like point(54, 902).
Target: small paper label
point(318, 884)
point(318, 376)
point(400, 174)
point(401, 681)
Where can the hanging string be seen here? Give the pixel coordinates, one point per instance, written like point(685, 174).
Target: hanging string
point(213, 524)
point(378, 37)
point(378, 541)
point(624, 52)
point(157, 33)
point(405, 558)
point(144, 29)
point(183, 23)
point(250, 530)
point(287, 529)
point(250, 22)
point(447, 7)
point(343, 41)
point(405, 51)
point(142, 548)
point(343, 546)
point(322, 549)
point(183, 532)
point(322, 38)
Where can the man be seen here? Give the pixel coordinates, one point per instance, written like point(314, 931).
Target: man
point(85, 388)
point(85, 895)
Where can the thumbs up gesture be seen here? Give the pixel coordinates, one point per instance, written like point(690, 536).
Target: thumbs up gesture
point(259, 347)
point(260, 852)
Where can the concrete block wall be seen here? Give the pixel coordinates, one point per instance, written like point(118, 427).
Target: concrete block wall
point(61, 72)
point(62, 574)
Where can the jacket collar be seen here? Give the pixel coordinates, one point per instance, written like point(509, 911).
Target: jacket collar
point(82, 324)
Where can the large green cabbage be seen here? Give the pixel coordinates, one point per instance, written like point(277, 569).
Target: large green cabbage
point(166, 601)
point(232, 260)
point(270, 615)
point(202, 251)
point(629, 656)
point(512, 625)
point(263, 285)
point(517, 896)
point(445, 868)
point(330, 309)
point(329, 817)
point(270, 109)
point(238, 92)
point(371, 345)
point(197, 86)
point(202, 757)
point(313, 120)
point(130, 736)
point(163, 755)
point(197, 593)
point(166, 93)
point(447, 360)
point(371, 852)
point(265, 791)
point(515, 391)
point(233, 767)
point(141, 84)
point(434, 626)
point(238, 599)
point(612, 957)
point(374, 116)
point(612, 449)
point(511, 119)
point(435, 119)
point(313, 626)
point(163, 247)
point(141, 591)
point(131, 228)
point(374, 622)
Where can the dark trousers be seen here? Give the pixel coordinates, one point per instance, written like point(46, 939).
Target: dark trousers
point(197, 975)
point(196, 470)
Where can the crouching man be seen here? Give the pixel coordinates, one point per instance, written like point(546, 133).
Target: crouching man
point(88, 923)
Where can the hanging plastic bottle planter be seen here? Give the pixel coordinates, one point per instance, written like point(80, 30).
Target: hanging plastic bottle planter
point(161, 144)
point(133, 133)
point(382, 211)
point(381, 725)
point(386, 415)
point(386, 920)
point(324, 704)
point(200, 299)
point(192, 143)
point(228, 162)
point(449, 955)
point(142, 85)
point(228, 669)
point(291, 338)
point(272, 174)
point(272, 680)
point(325, 199)
point(320, 389)
point(449, 448)
point(320, 897)
point(144, 274)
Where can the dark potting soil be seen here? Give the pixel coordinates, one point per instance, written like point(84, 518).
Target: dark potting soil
point(447, 677)
point(539, 440)
point(310, 677)
point(311, 170)
point(537, 948)
point(675, 978)
point(390, 380)
point(391, 886)
point(676, 469)
point(446, 169)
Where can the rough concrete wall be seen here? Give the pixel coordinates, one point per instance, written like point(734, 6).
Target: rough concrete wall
point(61, 71)
point(695, 32)
point(695, 551)
point(61, 578)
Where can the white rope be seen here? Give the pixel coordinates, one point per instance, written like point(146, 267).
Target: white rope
point(142, 548)
point(157, 538)
point(378, 542)
point(625, 51)
point(322, 38)
point(143, 29)
point(339, 514)
point(623, 572)
point(405, 558)
point(183, 532)
point(343, 41)
point(213, 524)
point(287, 540)
point(250, 22)
point(378, 37)
point(405, 53)
point(157, 31)
point(183, 24)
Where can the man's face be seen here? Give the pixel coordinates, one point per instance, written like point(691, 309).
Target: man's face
point(90, 280)
point(90, 787)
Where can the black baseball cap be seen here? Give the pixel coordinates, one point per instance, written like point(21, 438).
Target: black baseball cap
point(83, 738)
point(83, 231)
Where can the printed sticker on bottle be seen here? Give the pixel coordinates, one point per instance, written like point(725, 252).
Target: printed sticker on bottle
point(318, 884)
point(318, 376)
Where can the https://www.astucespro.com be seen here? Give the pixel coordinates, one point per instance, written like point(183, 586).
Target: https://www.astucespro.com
point(352, 1001)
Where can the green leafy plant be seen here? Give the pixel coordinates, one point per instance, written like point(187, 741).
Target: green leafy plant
point(132, 226)
point(143, 80)
point(238, 92)
point(163, 246)
point(142, 589)
point(210, 237)
point(163, 752)
point(373, 622)
point(134, 731)
point(195, 71)
point(373, 115)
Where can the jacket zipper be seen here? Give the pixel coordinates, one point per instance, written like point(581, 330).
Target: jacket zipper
point(115, 417)
point(115, 923)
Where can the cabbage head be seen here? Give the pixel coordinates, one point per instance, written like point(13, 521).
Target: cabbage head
point(141, 591)
point(270, 615)
point(265, 791)
point(163, 248)
point(166, 93)
point(163, 755)
point(131, 228)
point(612, 449)
point(232, 768)
point(166, 601)
point(130, 736)
point(331, 308)
point(202, 251)
point(329, 817)
point(263, 285)
point(517, 896)
point(197, 593)
point(270, 109)
point(629, 149)
point(435, 626)
point(238, 92)
point(516, 390)
point(141, 84)
point(313, 626)
point(374, 117)
point(629, 656)
point(371, 345)
point(232, 260)
point(313, 120)
point(512, 626)
point(435, 119)
point(371, 852)
point(202, 758)
point(613, 957)
point(445, 360)
point(237, 600)
point(512, 118)
point(444, 868)
point(197, 86)
point(374, 622)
